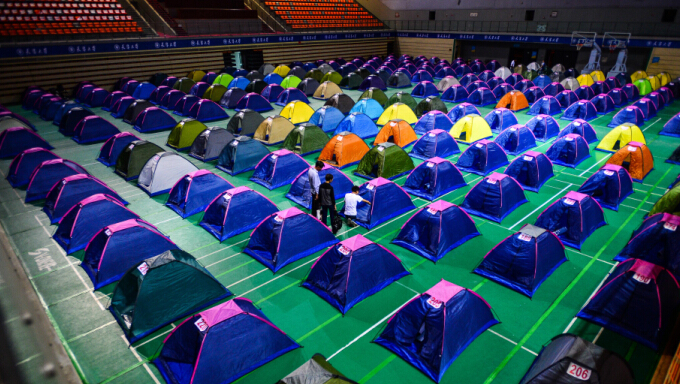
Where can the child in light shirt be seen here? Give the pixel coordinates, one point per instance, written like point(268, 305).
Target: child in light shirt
point(351, 201)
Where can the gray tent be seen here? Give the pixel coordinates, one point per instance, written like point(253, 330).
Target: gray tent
point(399, 80)
point(557, 76)
point(341, 101)
point(266, 69)
point(299, 72)
point(209, 144)
point(135, 109)
point(308, 86)
point(383, 74)
point(325, 68)
point(558, 68)
point(231, 97)
point(245, 122)
point(570, 83)
point(12, 122)
point(316, 371)
point(446, 83)
point(254, 75)
point(162, 171)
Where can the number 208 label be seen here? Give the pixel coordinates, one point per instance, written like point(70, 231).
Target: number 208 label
point(578, 372)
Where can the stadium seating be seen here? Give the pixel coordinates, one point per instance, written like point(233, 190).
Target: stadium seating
point(316, 14)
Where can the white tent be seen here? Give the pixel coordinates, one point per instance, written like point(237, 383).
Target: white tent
point(162, 171)
point(503, 72)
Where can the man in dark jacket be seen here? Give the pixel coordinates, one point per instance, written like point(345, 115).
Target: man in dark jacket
point(327, 199)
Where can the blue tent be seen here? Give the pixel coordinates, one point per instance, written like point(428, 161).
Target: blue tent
point(272, 92)
point(194, 192)
point(253, 101)
point(373, 81)
point(618, 96)
point(435, 143)
point(636, 287)
point(463, 70)
point(236, 323)
point(169, 81)
point(369, 107)
point(239, 73)
point(353, 270)
point(647, 107)
point(434, 178)
point(239, 82)
point(493, 65)
point(47, 174)
point(600, 87)
point(199, 89)
point(387, 201)
point(494, 82)
point(30, 98)
point(455, 94)
point(421, 75)
point(603, 104)
point(533, 94)
point(524, 260)
point(584, 92)
point(231, 98)
point(118, 247)
point(359, 124)
point(424, 89)
point(610, 185)
point(499, 119)
point(582, 109)
point(153, 119)
point(273, 78)
point(542, 81)
point(327, 118)
point(672, 127)
point(278, 168)
point(478, 67)
point(275, 242)
point(461, 110)
point(655, 97)
point(94, 128)
point(183, 105)
point(241, 155)
point(630, 114)
point(569, 150)
point(80, 96)
point(87, 218)
point(435, 230)
point(130, 86)
point(631, 91)
point(50, 110)
point(666, 94)
point(482, 97)
point(70, 190)
point(235, 211)
point(516, 139)
point(486, 75)
point(475, 85)
point(544, 127)
point(501, 89)
point(494, 197)
point(23, 165)
point(68, 123)
point(468, 79)
point(432, 120)
point(444, 72)
point(482, 157)
point(613, 82)
point(171, 99)
point(209, 77)
point(289, 95)
point(158, 93)
point(531, 170)
point(581, 128)
point(567, 98)
point(553, 89)
point(15, 140)
point(113, 147)
point(207, 110)
point(433, 329)
point(524, 85)
point(514, 79)
point(96, 97)
point(573, 218)
point(143, 91)
point(655, 241)
point(309, 66)
point(546, 105)
point(118, 109)
point(300, 191)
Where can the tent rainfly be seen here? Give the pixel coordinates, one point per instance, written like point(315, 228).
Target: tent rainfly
point(194, 192)
point(574, 218)
point(387, 201)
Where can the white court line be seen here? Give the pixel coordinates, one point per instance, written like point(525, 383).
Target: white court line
point(650, 125)
point(593, 166)
point(20, 199)
point(221, 260)
point(248, 277)
point(598, 335)
point(588, 256)
point(279, 276)
point(590, 297)
point(134, 352)
point(92, 331)
point(69, 262)
point(540, 206)
point(165, 221)
point(222, 249)
point(511, 342)
point(409, 288)
point(157, 336)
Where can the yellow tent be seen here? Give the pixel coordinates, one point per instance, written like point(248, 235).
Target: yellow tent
point(297, 112)
point(326, 90)
point(620, 137)
point(597, 75)
point(397, 111)
point(273, 130)
point(196, 75)
point(223, 79)
point(664, 78)
point(585, 80)
point(215, 92)
point(282, 70)
point(637, 76)
point(471, 128)
point(654, 82)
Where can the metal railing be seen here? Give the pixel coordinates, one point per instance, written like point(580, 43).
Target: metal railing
point(273, 23)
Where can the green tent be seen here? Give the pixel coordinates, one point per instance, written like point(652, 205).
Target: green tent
point(215, 92)
point(333, 76)
point(316, 371)
point(291, 81)
point(162, 289)
point(223, 79)
point(644, 86)
point(315, 74)
point(133, 158)
point(376, 94)
point(431, 103)
point(352, 81)
point(386, 160)
point(530, 74)
point(668, 203)
point(184, 84)
point(185, 132)
point(402, 97)
point(305, 139)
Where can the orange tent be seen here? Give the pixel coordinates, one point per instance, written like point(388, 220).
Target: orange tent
point(514, 101)
point(396, 131)
point(636, 158)
point(344, 149)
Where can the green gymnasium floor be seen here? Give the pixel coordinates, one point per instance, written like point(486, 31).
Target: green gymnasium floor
point(501, 355)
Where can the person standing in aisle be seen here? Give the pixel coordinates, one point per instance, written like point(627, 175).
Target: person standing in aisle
point(327, 199)
point(314, 183)
point(512, 65)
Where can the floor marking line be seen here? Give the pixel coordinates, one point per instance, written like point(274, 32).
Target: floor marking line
point(223, 249)
point(226, 258)
point(165, 221)
point(245, 278)
point(510, 341)
point(279, 276)
point(650, 125)
point(155, 337)
point(540, 206)
point(144, 364)
point(598, 335)
point(26, 360)
point(74, 338)
point(571, 323)
point(306, 335)
point(593, 166)
point(407, 287)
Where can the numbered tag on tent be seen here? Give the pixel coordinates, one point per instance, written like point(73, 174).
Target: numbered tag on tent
point(429, 164)
point(491, 181)
point(478, 145)
point(567, 138)
point(539, 118)
point(625, 128)
point(432, 211)
point(524, 237)
point(527, 158)
point(201, 324)
point(643, 102)
point(370, 187)
point(434, 303)
point(274, 157)
point(642, 279)
point(108, 232)
point(497, 112)
point(143, 268)
point(609, 173)
point(226, 197)
point(632, 149)
point(380, 149)
point(669, 226)
point(131, 146)
point(188, 178)
point(393, 124)
point(569, 201)
point(629, 109)
point(278, 219)
point(344, 250)
point(513, 129)
point(339, 138)
point(431, 134)
point(577, 124)
point(600, 97)
point(431, 113)
point(234, 143)
point(579, 372)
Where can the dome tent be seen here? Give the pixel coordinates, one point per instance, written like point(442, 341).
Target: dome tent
point(618, 96)
point(669, 202)
point(402, 98)
point(672, 126)
point(620, 136)
point(397, 111)
point(194, 191)
point(610, 185)
point(297, 112)
point(584, 110)
point(432, 120)
point(342, 102)
point(241, 155)
point(499, 119)
point(245, 122)
point(185, 132)
point(450, 315)
point(68, 122)
point(358, 124)
point(376, 94)
point(343, 150)
point(513, 100)
point(308, 86)
point(630, 114)
point(351, 81)
point(353, 270)
point(574, 217)
point(327, 118)
point(531, 170)
point(278, 168)
point(398, 132)
point(461, 110)
point(569, 151)
point(470, 129)
point(581, 128)
point(636, 158)
point(183, 106)
point(273, 130)
point(209, 144)
point(656, 242)
point(424, 89)
point(631, 91)
point(154, 293)
point(524, 260)
point(456, 94)
point(446, 82)
point(316, 371)
point(547, 105)
point(112, 148)
point(235, 211)
point(254, 102)
point(494, 197)
point(435, 143)
point(369, 107)
point(435, 230)
point(386, 160)
point(387, 201)
point(516, 139)
point(482, 157)
point(169, 101)
point(326, 90)
point(274, 242)
point(47, 174)
point(162, 171)
point(567, 98)
point(570, 353)
point(433, 178)
point(215, 92)
point(231, 98)
point(92, 129)
point(399, 79)
point(134, 110)
point(153, 119)
point(237, 323)
point(544, 127)
point(300, 191)
point(207, 110)
point(305, 139)
point(22, 166)
point(290, 95)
